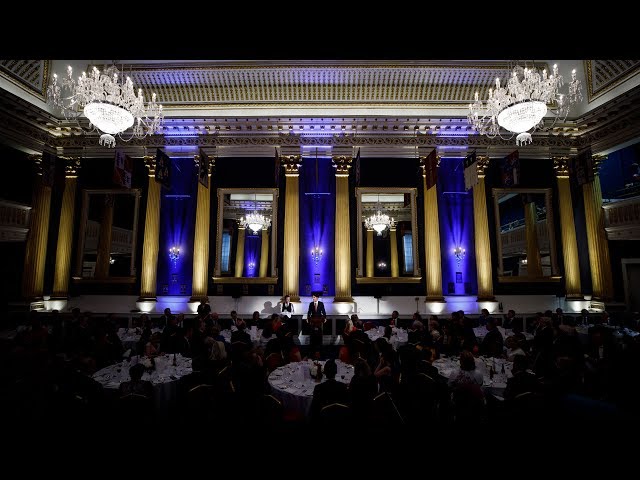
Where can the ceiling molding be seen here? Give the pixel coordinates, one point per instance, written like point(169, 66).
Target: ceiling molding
point(604, 75)
point(30, 75)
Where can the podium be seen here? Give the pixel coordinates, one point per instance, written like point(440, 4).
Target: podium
point(316, 321)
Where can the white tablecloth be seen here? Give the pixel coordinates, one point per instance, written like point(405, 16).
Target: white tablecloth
point(449, 367)
point(253, 332)
point(399, 336)
point(163, 377)
point(293, 386)
point(131, 336)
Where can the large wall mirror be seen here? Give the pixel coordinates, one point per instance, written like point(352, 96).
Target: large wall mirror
point(246, 251)
point(107, 235)
point(525, 235)
point(387, 253)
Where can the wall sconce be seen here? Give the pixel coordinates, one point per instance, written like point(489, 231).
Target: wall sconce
point(459, 253)
point(382, 265)
point(174, 253)
point(251, 265)
point(316, 254)
point(523, 261)
point(111, 260)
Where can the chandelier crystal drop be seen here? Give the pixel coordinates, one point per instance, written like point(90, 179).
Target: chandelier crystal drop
point(379, 222)
point(255, 222)
point(521, 106)
point(108, 101)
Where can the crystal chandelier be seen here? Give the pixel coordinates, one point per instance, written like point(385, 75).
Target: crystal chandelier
point(316, 254)
point(380, 221)
point(522, 105)
point(459, 253)
point(174, 253)
point(108, 101)
point(255, 221)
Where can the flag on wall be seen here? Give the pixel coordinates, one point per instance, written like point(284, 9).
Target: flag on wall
point(122, 169)
point(48, 169)
point(357, 169)
point(431, 169)
point(510, 169)
point(584, 167)
point(276, 173)
point(163, 169)
point(470, 171)
point(203, 169)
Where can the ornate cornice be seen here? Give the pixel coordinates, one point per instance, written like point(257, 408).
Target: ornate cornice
point(212, 162)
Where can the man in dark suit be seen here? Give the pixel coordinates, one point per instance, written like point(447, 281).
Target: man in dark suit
point(328, 392)
point(316, 307)
point(316, 317)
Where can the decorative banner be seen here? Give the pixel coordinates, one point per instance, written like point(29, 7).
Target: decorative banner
point(276, 174)
point(122, 169)
point(163, 169)
point(203, 169)
point(584, 167)
point(470, 171)
point(48, 169)
point(431, 169)
point(357, 168)
point(510, 167)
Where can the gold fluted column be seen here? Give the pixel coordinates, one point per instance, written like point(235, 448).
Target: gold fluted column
point(65, 230)
point(291, 261)
point(104, 241)
point(342, 240)
point(240, 252)
point(36, 247)
point(200, 280)
point(481, 234)
point(433, 258)
point(369, 252)
point(601, 278)
point(150, 246)
point(534, 265)
point(393, 238)
point(568, 229)
point(264, 252)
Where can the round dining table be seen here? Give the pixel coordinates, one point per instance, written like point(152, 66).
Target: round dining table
point(293, 385)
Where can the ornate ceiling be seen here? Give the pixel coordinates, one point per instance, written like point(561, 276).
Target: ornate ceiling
point(386, 108)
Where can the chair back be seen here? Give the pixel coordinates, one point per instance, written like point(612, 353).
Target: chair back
point(135, 409)
point(271, 411)
point(335, 415)
point(385, 413)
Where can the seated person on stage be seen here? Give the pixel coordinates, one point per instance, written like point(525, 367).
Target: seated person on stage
point(287, 307)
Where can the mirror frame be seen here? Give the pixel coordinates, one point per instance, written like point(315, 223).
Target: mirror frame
point(417, 274)
point(547, 192)
point(84, 214)
point(217, 275)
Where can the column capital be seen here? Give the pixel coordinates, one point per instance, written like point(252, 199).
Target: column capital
point(150, 162)
point(212, 163)
point(597, 161)
point(71, 166)
point(291, 164)
point(423, 163)
point(482, 164)
point(342, 164)
point(561, 166)
point(37, 160)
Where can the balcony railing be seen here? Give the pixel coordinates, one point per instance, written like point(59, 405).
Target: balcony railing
point(622, 219)
point(14, 221)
